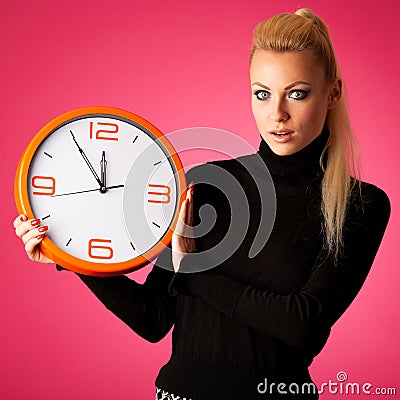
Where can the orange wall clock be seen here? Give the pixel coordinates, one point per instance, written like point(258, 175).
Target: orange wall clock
point(107, 183)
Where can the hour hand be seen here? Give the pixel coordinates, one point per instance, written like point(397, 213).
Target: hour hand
point(87, 161)
point(103, 165)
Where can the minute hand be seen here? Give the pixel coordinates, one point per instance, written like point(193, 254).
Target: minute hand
point(103, 165)
point(87, 161)
point(86, 191)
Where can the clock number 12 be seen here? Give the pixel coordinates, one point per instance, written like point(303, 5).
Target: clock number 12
point(103, 130)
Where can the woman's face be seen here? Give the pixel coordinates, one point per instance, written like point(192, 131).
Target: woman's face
point(290, 95)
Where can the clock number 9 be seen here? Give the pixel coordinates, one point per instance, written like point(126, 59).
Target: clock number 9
point(104, 134)
point(39, 182)
point(94, 244)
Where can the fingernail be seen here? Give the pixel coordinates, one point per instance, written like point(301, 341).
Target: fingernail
point(43, 228)
point(40, 237)
point(22, 218)
point(35, 222)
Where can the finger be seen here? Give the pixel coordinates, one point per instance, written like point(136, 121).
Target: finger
point(188, 218)
point(188, 233)
point(182, 215)
point(19, 220)
point(31, 247)
point(190, 206)
point(26, 226)
point(190, 191)
point(34, 233)
point(180, 226)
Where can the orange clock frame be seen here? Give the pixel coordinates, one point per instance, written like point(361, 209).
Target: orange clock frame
point(49, 248)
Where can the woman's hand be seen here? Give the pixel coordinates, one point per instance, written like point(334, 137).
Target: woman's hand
point(31, 234)
point(182, 238)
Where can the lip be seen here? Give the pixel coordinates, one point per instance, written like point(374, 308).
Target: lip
point(281, 139)
point(281, 130)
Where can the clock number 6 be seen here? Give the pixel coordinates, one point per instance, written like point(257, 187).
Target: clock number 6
point(46, 183)
point(103, 134)
point(106, 252)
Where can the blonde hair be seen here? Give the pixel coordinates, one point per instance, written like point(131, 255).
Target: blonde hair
point(304, 31)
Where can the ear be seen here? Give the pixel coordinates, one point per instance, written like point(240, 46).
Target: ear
point(335, 93)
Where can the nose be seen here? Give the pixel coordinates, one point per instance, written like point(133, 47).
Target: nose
point(278, 112)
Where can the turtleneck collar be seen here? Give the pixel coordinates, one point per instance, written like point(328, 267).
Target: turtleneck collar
point(302, 165)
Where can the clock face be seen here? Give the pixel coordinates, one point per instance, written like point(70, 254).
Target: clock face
point(108, 187)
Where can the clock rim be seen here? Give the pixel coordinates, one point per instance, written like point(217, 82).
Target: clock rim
point(48, 247)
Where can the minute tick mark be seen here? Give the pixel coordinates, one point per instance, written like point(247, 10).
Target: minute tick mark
point(158, 226)
point(47, 216)
point(134, 140)
point(69, 241)
point(48, 155)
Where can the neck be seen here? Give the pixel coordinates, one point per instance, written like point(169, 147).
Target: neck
point(300, 166)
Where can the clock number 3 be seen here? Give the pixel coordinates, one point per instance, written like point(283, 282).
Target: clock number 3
point(104, 134)
point(46, 184)
point(97, 249)
point(165, 194)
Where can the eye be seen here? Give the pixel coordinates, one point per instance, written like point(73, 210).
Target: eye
point(261, 94)
point(298, 94)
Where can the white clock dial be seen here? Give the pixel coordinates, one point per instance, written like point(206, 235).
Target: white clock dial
point(64, 191)
point(150, 197)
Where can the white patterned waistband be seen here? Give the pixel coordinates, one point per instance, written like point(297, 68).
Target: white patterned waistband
point(162, 394)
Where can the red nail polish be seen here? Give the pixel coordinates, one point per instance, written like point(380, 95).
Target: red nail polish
point(43, 228)
point(39, 237)
point(22, 218)
point(35, 222)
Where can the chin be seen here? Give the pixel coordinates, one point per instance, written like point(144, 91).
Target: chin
point(282, 149)
point(283, 152)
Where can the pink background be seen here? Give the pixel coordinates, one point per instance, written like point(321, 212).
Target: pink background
point(178, 64)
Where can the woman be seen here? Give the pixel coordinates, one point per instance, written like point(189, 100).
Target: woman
point(250, 327)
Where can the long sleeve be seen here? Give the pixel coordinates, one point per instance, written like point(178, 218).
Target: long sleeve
point(295, 317)
point(148, 308)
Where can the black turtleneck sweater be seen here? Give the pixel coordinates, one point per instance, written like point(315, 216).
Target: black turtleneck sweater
point(248, 324)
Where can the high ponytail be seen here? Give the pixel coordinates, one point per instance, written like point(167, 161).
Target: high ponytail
point(304, 31)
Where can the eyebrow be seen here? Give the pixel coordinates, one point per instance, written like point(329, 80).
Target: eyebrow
point(286, 88)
